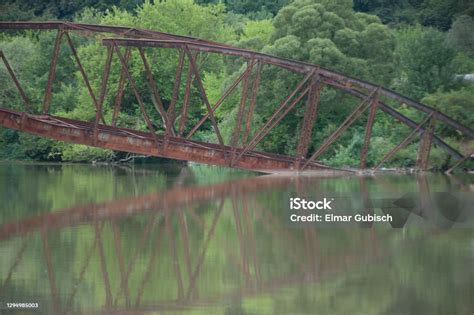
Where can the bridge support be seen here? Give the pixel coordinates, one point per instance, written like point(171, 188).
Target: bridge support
point(346, 124)
point(120, 89)
point(240, 113)
point(404, 143)
point(17, 83)
point(253, 100)
point(309, 119)
point(425, 145)
point(368, 129)
point(52, 72)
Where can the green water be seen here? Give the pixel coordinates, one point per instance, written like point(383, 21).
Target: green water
point(204, 240)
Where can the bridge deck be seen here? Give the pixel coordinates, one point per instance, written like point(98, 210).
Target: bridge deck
point(139, 142)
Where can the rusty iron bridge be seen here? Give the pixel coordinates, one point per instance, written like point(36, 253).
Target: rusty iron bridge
point(241, 151)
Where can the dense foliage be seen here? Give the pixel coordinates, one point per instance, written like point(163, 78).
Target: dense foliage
point(415, 47)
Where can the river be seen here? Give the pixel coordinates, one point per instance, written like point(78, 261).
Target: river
point(168, 239)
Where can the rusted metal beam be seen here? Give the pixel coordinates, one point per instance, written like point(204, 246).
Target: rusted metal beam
point(154, 88)
point(240, 113)
point(120, 89)
point(220, 101)
point(253, 100)
point(52, 72)
point(308, 119)
point(402, 144)
point(425, 145)
point(342, 127)
point(459, 162)
point(197, 76)
point(17, 83)
point(103, 91)
point(137, 95)
point(404, 119)
point(184, 108)
point(368, 130)
point(84, 75)
point(176, 88)
point(141, 142)
point(274, 119)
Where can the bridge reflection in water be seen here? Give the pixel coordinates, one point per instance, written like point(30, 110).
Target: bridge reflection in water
point(222, 248)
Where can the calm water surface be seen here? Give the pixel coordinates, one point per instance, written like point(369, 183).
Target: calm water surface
point(205, 240)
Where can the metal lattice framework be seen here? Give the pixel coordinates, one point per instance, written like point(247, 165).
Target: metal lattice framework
point(240, 152)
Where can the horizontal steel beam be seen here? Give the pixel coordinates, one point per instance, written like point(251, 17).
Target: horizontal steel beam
point(128, 140)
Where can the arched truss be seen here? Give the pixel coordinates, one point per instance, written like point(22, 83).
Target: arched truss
point(240, 152)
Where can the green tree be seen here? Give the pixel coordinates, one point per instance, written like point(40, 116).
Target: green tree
point(426, 61)
point(461, 34)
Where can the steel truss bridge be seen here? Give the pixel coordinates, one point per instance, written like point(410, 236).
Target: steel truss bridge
point(241, 151)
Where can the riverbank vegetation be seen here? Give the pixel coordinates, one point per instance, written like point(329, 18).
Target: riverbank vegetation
point(417, 48)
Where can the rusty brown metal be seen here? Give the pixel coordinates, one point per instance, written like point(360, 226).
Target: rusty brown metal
point(402, 144)
point(147, 38)
point(368, 130)
point(240, 113)
point(425, 145)
point(219, 102)
point(52, 72)
point(140, 142)
point(275, 118)
point(309, 119)
point(184, 108)
point(342, 127)
point(84, 75)
point(120, 89)
point(197, 76)
point(17, 83)
point(253, 100)
point(103, 91)
point(459, 162)
point(189, 46)
point(154, 88)
point(176, 87)
point(137, 95)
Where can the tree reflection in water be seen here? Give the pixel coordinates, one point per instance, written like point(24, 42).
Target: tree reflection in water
point(227, 248)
